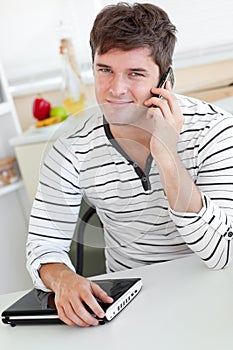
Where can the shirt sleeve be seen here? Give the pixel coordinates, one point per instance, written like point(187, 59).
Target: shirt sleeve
point(209, 233)
point(55, 211)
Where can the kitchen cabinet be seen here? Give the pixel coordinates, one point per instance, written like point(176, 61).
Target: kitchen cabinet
point(30, 148)
point(210, 82)
point(14, 204)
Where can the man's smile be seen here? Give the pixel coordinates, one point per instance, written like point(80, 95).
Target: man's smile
point(119, 103)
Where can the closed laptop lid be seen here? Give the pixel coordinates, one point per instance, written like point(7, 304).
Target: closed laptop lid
point(38, 306)
point(35, 307)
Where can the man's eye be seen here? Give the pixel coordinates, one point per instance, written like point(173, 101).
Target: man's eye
point(105, 70)
point(136, 74)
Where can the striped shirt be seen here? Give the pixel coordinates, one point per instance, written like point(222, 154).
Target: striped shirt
point(139, 226)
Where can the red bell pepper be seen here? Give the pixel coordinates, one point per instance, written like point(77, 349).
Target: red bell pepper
point(41, 108)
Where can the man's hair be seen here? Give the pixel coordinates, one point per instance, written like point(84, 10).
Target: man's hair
point(128, 26)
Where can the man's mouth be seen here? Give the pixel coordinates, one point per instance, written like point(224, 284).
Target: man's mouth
point(119, 103)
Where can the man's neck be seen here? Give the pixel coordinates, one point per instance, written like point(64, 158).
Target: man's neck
point(137, 134)
point(134, 140)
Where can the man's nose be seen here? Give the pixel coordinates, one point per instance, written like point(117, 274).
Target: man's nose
point(118, 85)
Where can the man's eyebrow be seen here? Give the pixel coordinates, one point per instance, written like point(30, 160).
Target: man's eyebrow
point(103, 65)
point(138, 69)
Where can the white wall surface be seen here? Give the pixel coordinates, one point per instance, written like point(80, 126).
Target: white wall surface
point(14, 223)
point(29, 38)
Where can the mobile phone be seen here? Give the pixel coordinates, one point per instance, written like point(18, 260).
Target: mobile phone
point(167, 76)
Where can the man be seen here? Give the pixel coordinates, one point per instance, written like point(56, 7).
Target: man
point(158, 170)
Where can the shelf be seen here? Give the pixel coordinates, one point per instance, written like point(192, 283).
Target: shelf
point(11, 188)
point(47, 81)
point(4, 108)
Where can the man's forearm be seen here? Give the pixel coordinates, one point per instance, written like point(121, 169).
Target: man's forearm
point(52, 274)
point(182, 193)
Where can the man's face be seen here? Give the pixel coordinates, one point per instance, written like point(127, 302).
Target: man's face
point(123, 80)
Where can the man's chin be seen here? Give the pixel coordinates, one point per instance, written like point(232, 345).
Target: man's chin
point(126, 116)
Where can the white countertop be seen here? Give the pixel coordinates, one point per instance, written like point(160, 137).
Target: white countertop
point(182, 305)
point(35, 135)
point(44, 134)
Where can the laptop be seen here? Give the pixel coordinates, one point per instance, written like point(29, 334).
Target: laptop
point(38, 307)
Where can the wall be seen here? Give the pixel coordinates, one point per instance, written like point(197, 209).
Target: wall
point(14, 223)
point(29, 48)
point(30, 44)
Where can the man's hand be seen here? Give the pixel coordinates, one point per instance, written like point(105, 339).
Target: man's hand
point(71, 291)
point(168, 121)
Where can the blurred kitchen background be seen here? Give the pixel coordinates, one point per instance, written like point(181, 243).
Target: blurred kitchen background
point(32, 64)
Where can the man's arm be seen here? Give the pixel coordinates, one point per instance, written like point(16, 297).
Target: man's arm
point(52, 223)
point(54, 212)
point(182, 194)
point(205, 227)
point(71, 291)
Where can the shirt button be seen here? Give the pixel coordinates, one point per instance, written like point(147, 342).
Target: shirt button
point(135, 165)
point(230, 234)
point(144, 179)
